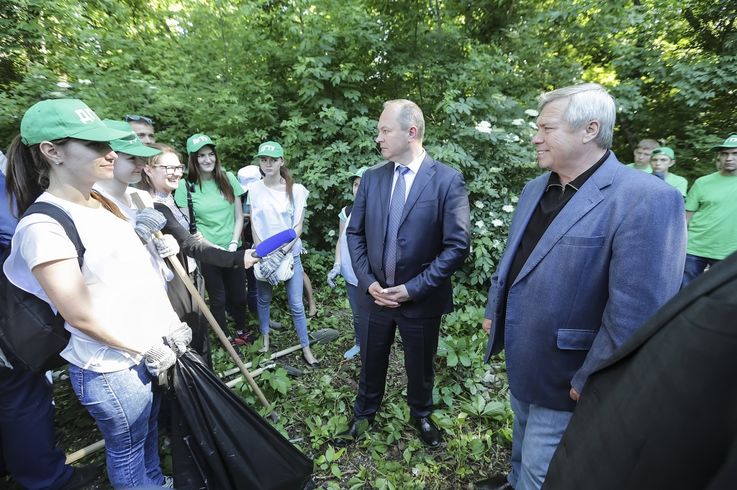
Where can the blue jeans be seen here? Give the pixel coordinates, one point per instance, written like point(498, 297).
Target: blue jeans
point(27, 431)
point(694, 267)
point(125, 409)
point(536, 433)
point(294, 297)
point(358, 317)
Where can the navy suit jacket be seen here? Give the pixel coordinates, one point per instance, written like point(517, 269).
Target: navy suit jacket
point(432, 241)
point(606, 263)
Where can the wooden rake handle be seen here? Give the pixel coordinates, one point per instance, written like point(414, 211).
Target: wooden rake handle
point(179, 270)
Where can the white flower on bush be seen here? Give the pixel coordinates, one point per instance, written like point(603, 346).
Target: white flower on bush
point(507, 208)
point(513, 138)
point(331, 233)
point(479, 204)
point(515, 199)
point(532, 113)
point(483, 127)
point(63, 85)
point(518, 122)
point(497, 223)
point(480, 224)
point(84, 81)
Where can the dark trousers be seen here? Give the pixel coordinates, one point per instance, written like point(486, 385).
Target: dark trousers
point(226, 288)
point(29, 447)
point(252, 293)
point(420, 341)
point(695, 266)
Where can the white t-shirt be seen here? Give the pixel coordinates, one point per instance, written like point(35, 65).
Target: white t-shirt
point(127, 295)
point(272, 211)
point(129, 210)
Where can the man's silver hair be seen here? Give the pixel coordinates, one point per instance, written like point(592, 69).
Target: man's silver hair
point(410, 114)
point(587, 102)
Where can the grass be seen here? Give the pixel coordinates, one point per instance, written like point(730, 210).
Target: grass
point(471, 408)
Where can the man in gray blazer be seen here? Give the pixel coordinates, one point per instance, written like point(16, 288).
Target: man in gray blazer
point(594, 249)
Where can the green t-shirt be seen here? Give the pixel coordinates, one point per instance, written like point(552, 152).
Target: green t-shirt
point(215, 216)
point(647, 170)
point(678, 182)
point(712, 230)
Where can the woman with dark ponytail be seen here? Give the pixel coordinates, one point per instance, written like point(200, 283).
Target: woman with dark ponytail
point(115, 306)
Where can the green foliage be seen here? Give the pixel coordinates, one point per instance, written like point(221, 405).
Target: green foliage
point(314, 75)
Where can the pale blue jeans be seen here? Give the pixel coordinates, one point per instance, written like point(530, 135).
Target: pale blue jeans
point(294, 298)
point(537, 431)
point(126, 410)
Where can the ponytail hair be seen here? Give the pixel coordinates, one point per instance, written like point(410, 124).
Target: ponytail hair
point(27, 175)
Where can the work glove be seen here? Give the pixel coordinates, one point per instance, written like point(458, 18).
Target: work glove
point(269, 265)
point(166, 246)
point(159, 359)
point(334, 272)
point(179, 338)
point(148, 222)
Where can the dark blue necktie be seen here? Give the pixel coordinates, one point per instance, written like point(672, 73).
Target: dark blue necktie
point(396, 206)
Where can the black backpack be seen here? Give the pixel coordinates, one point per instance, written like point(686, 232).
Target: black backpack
point(31, 335)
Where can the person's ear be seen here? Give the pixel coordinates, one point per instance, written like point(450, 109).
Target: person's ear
point(147, 170)
point(52, 152)
point(591, 131)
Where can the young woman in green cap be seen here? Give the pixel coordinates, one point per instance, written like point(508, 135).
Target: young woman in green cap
point(278, 203)
point(114, 306)
point(218, 214)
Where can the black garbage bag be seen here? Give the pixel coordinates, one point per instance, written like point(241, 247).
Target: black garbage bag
point(219, 443)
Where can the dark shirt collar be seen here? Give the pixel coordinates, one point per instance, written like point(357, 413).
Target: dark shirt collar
point(554, 179)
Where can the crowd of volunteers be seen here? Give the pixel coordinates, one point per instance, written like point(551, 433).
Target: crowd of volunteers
point(140, 207)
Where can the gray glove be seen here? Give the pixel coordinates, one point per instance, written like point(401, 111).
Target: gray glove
point(148, 222)
point(270, 264)
point(158, 359)
point(334, 272)
point(179, 338)
point(166, 246)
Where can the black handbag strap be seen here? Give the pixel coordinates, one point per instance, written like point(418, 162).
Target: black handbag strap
point(59, 215)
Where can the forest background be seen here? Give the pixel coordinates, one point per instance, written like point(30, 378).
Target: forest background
point(313, 76)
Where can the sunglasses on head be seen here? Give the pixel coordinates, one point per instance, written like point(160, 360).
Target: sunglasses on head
point(135, 118)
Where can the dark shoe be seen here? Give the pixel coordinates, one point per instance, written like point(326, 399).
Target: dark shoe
point(274, 325)
point(355, 429)
point(497, 482)
point(429, 434)
point(82, 477)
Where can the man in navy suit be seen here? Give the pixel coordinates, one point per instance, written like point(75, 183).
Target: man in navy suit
point(409, 232)
point(594, 249)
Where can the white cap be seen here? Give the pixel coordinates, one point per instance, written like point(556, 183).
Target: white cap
point(248, 175)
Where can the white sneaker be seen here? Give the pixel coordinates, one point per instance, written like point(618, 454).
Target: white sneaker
point(168, 482)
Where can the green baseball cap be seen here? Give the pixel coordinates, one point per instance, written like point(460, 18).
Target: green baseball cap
point(197, 141)
point(270, 149)
point(55, 119)
point(359, 173)
point(730, 142)
point(664, 150)
point(132, 145)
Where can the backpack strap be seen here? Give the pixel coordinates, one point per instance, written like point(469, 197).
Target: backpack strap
point(59, 215)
